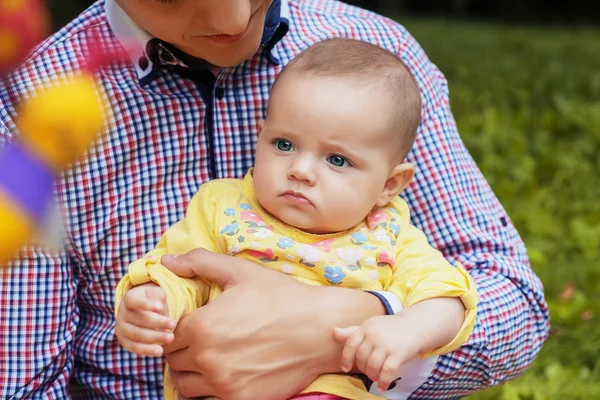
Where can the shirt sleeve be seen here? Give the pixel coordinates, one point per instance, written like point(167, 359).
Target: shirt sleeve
point(195, 230)
point(38, 314)
point(454, 205)
point(421, 273)
point(39, 317)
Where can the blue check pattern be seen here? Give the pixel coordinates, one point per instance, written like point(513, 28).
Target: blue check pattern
point(168, 134)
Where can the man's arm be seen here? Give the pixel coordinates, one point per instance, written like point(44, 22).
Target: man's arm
point(38, 320)
point(38, 312)
point(454, 205)
point(266, 330)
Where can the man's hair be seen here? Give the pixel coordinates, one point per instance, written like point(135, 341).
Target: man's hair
point(370, 65)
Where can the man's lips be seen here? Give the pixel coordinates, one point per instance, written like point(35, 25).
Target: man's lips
point(230, 39)
point(296, 198)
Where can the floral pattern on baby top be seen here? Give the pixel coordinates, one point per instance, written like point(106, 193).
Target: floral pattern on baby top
point(363, 258)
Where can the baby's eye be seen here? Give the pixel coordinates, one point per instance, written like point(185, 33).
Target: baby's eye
point(283, 145)
point(338, 161)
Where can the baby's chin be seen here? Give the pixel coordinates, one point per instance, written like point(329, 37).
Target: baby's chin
point(320, 230)
point(311, 228)
point(304, 226)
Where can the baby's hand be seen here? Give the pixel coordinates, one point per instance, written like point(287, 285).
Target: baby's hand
point(143, 324)
point(379, 347)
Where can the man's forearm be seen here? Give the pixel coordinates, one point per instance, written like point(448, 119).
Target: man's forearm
point(497, 350)
point(511, 347)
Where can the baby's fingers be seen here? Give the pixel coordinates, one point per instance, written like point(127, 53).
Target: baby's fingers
point(146, 297)
point(149, 320)
point(363, 354)
point(375, 364)
point(143, 349)
point(139, 334)
point(389, 372)
point(353, 342)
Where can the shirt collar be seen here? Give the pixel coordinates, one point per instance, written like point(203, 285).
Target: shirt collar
point(138, 43)
point(132, 38)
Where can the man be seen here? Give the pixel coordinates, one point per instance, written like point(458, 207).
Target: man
point(185, 106)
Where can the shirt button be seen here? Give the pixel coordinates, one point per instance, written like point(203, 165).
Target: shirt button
point(143, 62)
point(219, 92)
point(167, 57)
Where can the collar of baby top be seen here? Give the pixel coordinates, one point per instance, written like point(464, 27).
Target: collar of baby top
point(360, 257)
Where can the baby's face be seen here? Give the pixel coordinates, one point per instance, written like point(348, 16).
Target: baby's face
point(324, 154)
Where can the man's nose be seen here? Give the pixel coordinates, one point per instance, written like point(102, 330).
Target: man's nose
point(303, 169)
point(227, 17)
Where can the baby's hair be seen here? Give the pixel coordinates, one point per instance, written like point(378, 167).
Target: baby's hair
point(370, 65)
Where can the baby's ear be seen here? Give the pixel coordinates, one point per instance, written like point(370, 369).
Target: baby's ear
point(261, 125)
point(398, 179)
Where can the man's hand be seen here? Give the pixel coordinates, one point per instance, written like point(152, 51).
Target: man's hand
point(142, 322)
point(266, 336)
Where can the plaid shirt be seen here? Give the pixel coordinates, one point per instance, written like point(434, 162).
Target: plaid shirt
point(171, 129)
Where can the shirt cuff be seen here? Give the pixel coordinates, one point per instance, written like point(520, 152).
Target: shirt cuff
point(389, 301)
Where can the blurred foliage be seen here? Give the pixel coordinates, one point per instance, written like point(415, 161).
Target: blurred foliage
point(558, 11)
point(507, 10)
point(527, 103)
point(568, 12)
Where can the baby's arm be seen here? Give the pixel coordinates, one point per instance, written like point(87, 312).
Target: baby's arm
point(181, 295)
point(439, 304)
point(143, 324)
point(148, 283)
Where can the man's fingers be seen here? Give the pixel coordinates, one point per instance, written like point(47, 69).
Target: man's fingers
point(186, 328)
point(175, 346)
point(389, 373)
point(214, 267)
point(352, 344)
point(180, 360)
point(191, 384)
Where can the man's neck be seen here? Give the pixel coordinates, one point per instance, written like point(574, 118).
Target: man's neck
point(215, 69)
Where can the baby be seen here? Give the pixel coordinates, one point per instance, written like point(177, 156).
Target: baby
point(321, 205)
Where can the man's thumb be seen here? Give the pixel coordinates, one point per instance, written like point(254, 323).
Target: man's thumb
point(342, 334)
point(205, 264)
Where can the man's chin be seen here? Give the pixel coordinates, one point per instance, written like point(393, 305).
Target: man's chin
point(222, 59)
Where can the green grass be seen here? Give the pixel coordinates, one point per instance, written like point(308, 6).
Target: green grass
point(527, 103)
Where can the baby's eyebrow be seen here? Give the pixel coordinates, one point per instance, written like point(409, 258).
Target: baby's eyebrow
point(344, 150)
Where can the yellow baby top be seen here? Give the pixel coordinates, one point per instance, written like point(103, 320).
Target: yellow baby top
point(383, 253)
